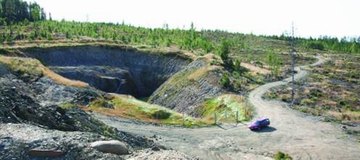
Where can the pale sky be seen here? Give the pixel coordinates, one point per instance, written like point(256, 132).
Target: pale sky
point(337, 18)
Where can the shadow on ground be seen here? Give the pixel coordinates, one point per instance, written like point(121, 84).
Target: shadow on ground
point(266, 129)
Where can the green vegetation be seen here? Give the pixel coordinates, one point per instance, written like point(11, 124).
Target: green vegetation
point(117, 33)
point(315, 45)
point(67, 105)
point(12, 11)
point(282, 156)
point(225, 80)
point(161, 114)
point(325, 43)
point(228, 108)
point(129, 107)
point(223, 51)
point(23, 66)
point(274, 61)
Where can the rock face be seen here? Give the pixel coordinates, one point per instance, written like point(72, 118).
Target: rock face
point(113, 146)
point(187, 89)
point(111, 69)
point(108, 79)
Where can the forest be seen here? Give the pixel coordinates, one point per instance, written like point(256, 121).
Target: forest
point(12, 11)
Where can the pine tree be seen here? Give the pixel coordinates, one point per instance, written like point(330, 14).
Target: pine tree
point(224, 50)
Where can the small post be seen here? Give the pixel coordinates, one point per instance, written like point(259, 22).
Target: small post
point(215, 118)
point(237, 117)
point(183, 119)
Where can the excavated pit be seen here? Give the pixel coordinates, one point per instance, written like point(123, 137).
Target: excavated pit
point(111, 69)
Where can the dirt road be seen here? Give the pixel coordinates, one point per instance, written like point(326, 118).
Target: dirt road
point(301, 136)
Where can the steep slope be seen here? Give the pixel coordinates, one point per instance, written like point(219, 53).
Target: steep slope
point(111, 69)
point(188, 88)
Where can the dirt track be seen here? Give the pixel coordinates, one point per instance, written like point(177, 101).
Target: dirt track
point(303, 137)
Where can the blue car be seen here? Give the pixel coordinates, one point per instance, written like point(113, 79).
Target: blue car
point(259, 124)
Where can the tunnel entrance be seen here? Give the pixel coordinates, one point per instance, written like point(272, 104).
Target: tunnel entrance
point(111, 69)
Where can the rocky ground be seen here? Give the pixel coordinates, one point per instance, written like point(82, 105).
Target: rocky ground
point(35, 122)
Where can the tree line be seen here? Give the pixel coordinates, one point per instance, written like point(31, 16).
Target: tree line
point(326, 43)
point(12, 11)
point(121, 33)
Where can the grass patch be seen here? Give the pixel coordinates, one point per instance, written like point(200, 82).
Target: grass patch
point(23, 66)
point(353, 116)
point(131, 108)
point(67, 106)
point(203, 71)
point(228, 108)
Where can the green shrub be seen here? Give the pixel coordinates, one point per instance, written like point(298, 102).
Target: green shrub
point(161, 114)
point(225, 80)
point(306, 102)
point(282, 156)
point(316, 45)
point(223, 51)
point(316, 93)
point(274, 61)
point(67, 105)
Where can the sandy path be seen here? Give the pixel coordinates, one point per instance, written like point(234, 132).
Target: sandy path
point(303, 137)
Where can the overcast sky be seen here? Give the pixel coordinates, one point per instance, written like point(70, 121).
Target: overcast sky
point(271, 17)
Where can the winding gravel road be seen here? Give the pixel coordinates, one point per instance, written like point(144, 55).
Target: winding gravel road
point(301, 136)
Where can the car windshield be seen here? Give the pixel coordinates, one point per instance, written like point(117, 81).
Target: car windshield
point(256, 123)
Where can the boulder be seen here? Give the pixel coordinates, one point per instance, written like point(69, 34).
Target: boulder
point(113, 146)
